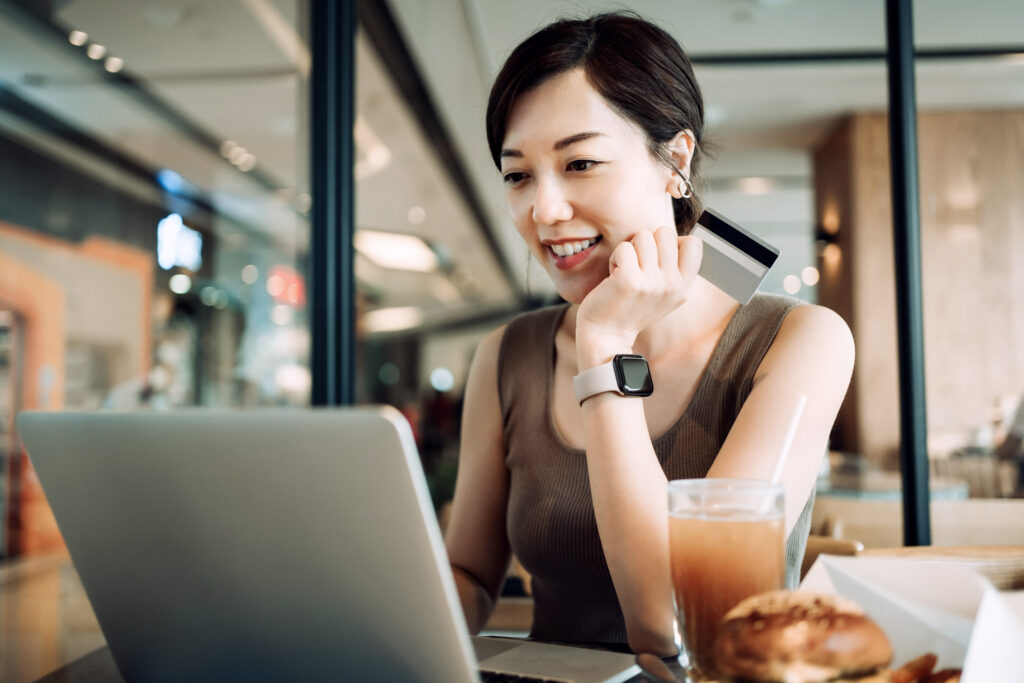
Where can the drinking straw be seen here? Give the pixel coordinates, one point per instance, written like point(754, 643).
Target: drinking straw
point(780, 459)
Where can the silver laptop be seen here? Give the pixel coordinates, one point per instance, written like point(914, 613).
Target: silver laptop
point(269, 545)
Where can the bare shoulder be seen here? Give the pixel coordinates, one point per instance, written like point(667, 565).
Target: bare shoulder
point(812, 335)
point(816, 325)
point(485, 360)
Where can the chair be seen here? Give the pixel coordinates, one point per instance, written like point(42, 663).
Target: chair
point(825, 545)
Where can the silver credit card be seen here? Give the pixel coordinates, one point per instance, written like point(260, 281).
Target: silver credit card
point(735, 260)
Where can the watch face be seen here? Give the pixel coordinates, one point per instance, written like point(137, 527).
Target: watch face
point(633, 375)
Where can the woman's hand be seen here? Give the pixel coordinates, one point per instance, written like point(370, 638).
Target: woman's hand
point(649, 277)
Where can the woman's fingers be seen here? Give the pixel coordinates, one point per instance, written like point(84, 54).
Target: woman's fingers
point(646, 249)
point(668, 249)
point(691, 252)
point(624, 256)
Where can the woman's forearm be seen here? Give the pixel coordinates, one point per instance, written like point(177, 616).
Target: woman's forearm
point(477, 604)
point(629, 494)
point(628, 489)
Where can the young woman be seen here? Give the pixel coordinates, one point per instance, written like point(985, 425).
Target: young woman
point(596, 126)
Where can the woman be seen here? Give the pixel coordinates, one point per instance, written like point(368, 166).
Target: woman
point(596, 126)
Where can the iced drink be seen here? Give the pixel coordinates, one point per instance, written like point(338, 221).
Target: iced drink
point(726, 544)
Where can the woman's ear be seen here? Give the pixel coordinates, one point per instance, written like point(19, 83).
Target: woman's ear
point(681, 147)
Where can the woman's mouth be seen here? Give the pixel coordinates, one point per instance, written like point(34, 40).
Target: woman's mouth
point(566, 255)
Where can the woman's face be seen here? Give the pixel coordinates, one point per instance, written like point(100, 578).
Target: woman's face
point(579, 180)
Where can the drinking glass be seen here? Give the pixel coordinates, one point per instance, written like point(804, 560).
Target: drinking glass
point(726, 541)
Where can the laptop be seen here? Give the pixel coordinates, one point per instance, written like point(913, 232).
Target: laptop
point(270, 545)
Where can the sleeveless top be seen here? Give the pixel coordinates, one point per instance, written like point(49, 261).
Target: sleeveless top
point(550, 517)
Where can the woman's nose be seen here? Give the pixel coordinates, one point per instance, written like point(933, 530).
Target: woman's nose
point(551, 204)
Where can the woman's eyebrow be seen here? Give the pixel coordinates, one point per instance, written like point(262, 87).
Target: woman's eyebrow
point(560, 145)
point(578, 137)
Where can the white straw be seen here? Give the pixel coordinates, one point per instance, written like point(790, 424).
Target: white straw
point(780, 459)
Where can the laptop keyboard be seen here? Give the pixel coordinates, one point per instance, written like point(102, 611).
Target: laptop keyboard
point(498, 677)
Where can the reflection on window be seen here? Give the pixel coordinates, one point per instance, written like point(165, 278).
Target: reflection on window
point(154, 216)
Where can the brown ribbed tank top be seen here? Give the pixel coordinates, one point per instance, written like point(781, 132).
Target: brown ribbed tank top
point(550, 518)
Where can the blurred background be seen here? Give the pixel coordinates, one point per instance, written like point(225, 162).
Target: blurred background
point(155, 215)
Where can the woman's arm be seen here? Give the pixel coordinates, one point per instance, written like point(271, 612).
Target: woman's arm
point(811, 355)
point(476, 539)
point(650, 277)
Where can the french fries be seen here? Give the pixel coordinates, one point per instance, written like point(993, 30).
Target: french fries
point(920, 671)
point(943, 676)
point(915, 669)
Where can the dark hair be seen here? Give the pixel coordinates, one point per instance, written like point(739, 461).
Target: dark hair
point(639, 69)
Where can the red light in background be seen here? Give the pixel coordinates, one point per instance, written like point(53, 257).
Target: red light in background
point(292, 289)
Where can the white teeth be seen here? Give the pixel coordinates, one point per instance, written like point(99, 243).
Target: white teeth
point(569, 248)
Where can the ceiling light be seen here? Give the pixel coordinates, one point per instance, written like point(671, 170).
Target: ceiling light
point(113, 64)
point(396, 251)
point(791, 284)
point(810, 276)
point(247, 162)
point(755, 185)
point(96, 51)
point(392, 319)
point(78, 38)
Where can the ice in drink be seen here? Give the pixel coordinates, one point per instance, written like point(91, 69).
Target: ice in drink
point(719, 557)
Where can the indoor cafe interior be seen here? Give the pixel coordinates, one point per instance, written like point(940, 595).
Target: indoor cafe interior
point(158, 196)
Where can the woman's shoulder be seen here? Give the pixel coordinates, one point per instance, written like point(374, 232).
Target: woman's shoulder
point(795, 313)
point(812, 329)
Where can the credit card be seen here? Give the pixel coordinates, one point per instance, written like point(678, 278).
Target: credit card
point(735, 260)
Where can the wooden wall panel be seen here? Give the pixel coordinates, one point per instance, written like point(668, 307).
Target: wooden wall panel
point(972, 222)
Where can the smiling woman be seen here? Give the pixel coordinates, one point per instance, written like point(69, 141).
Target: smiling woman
point(597, 126)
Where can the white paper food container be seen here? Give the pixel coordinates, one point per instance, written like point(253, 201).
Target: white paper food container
point(938, 606)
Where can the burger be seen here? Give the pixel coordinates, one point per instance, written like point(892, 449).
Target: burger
point(801, 637)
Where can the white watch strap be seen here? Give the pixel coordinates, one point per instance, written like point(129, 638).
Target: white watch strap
point(596, 380)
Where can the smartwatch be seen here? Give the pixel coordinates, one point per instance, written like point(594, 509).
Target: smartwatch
point(627, 375)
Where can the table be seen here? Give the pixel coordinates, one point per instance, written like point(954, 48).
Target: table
point(1002, 565)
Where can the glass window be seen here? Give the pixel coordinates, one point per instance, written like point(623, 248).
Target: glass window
point(154, 210)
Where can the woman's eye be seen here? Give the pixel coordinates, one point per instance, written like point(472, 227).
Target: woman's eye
point(513, 178)
point(580, 165)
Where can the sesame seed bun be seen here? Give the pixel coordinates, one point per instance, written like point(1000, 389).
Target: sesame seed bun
point(800, 637)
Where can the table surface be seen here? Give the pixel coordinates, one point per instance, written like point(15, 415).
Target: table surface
point(1003, 565)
